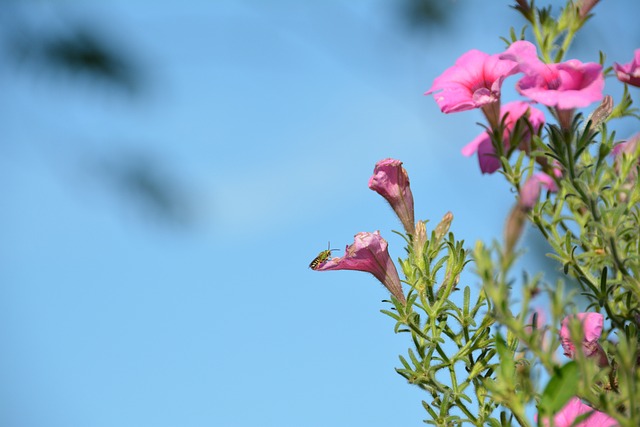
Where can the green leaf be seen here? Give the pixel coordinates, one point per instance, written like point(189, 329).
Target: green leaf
point(560, 388)
point(507, 365)
point(391, 314)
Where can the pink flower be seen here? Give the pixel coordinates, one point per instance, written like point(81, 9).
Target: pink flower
point(537, 324)
point(473, 82)
point(536, 321)
point(627, 147)
point(624, 149)
point(530, 191)
point(565, 85)
point(369, 253)
point(629, 73)
point(575, 408)
point(592, 324)
point(586, 6)
point(391, 181)
point(489, 162)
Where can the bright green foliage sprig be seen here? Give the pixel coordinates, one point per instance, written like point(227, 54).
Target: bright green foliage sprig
point(438, 325)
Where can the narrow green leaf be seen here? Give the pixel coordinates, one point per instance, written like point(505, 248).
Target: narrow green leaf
point(603, 281)
point(391, 314)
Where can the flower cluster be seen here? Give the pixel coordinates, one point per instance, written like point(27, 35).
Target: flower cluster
point(476, 79)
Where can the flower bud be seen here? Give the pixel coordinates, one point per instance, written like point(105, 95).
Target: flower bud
point(513, 228)
point(419, 238)
point(600, 114)
point(391, 181)
point(585, 7)
point(443, 227)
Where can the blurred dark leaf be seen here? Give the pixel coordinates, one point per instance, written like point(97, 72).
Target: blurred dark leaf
point(144, 183)
point(80, 52)
point(427, 14)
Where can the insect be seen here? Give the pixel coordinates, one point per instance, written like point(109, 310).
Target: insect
point(322, 257)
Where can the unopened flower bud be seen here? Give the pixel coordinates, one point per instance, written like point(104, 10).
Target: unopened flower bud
point(419, 238)
point(391, 181)
point(443, 227)
point(525, 9)
point(513, 228)
point(585, 7)
point(600, 114)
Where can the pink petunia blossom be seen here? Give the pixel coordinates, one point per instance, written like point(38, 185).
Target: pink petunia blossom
point(592, 324)
point(391, 181)
point(629, 73)
point(575, 408)
point(473, 82)
point(489, 162)
point(369, 253)
point(565, 85)
point(530, 191)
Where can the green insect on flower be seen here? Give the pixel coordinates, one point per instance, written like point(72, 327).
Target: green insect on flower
point(322, 257)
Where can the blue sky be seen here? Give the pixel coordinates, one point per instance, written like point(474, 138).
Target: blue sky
point(271, 116)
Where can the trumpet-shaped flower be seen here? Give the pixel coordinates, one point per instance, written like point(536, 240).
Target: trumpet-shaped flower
point(473, 82)
point(592, 324)
point(565, 85)
point(391, 181)
point(629, 73)
point(487, 158)
point(574, 409)
point(369, 253)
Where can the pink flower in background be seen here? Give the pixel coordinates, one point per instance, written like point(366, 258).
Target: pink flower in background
point(489, 162)
point(391, 181)
point(629, 73)
point(536, 321)
point(575, 408)
point(586, 6)
point(565, 85)
point(537, 324)
point(473, 82)
point(592, 324)
point(530, 191)
point(627, 147)
point(369, 253)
